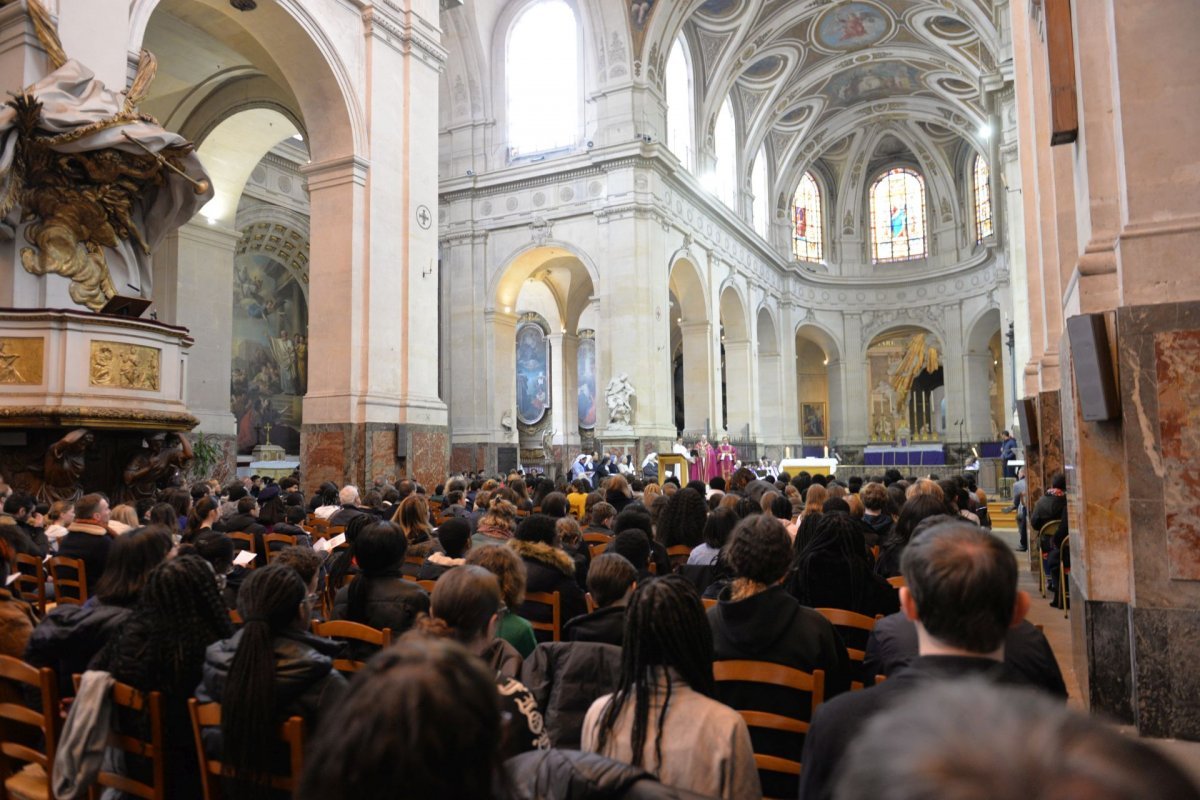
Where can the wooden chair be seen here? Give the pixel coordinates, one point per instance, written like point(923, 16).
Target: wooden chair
point(148, 704)
point(591, 604)
point(597, 543)
point(208, 715)
point(898, 581)
point(1064, 571)
point(31, 586)
point(552, 601)
point(775, 675)
point(319, 528)
point(709, 602)
point(355, 632)
point(44, 726)
point(281, 539)
point(679, 555)
point(427, 585)
point(235, 616)
point(1045, 534)
point(841, 618)
point(417, 561)
point(244, 541)
point(62, 568)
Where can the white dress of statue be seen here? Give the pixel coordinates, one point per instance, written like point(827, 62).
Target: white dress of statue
point(619, 398)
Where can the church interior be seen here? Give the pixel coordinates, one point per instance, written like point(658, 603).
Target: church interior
point(359, 243)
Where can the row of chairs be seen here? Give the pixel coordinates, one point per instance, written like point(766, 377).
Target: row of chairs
point(68, 574)
point(33, 779)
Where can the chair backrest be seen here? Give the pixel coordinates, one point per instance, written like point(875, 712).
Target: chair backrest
point(897, 581)
point(32, 584)
point(418, 561)
point(841, 618)
point(281, 539)
point(427, 585)
point(13, 744)
point(352, 631)
point(739, 671)
point(243, 541)
point(596, 543)
point(679, 555)
point(552, 600)
point(150, 705)
point(69, 573)
point(208, 715)
point(709, 602)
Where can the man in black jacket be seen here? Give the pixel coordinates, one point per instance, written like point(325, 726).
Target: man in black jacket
point(962, 595)
point(245, 520)
point(610, 581)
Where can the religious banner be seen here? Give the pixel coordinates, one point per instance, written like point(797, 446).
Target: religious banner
point(532, 373)
point(586, 374)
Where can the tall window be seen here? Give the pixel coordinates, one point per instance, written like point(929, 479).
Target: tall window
point(983, 199)
point(807, 241)
point(725, 144)
point(680, 106)
point(898, 216)
point(542, 66)
point(762, 199)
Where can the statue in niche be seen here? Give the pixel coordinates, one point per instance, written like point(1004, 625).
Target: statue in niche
point(62, 467)
point(548, 445)
point(99, 183)
point(157, 465)
point(619, 397)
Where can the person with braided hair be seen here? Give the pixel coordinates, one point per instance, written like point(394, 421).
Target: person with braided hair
point(271, 669)
point(682, 521)
point(833, 570)
point(662, 716)
point(160, 648)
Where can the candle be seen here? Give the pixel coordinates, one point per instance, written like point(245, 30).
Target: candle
point(827, 451)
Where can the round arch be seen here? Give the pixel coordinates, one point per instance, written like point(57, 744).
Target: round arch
point(688, 287)
point(572, 277)
point(291, 37)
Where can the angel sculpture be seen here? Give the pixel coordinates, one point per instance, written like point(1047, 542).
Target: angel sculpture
point(98, 184)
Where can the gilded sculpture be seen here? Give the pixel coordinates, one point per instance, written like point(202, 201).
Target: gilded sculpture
point(124, 366)
point(21, 359)
point(98, 184)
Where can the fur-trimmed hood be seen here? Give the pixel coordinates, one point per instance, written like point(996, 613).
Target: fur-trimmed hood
point(544, 554)
point(443, 560)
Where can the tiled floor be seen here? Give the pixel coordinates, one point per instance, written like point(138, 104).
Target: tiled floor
point(1058, 632)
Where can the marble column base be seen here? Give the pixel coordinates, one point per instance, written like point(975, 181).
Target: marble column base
point(359, 453)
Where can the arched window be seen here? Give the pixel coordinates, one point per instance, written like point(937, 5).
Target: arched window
point(983, 199)
point(898, 216)
point(807, 240)
point(542, 70)
point(725, 145)
point(762, 199)
point(680, 105)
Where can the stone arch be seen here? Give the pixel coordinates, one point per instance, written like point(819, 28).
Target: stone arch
point(984, 382)
point(693, 354)
point(770, 378)
point(737, 374)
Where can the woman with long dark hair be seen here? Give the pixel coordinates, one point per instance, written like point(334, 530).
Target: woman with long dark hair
point(833, 570)
point(682, 522)
point(160, 648)
point(412, 517)
point(201, 517)
point(271, 669)
point(422, 719)
point(914, 510)
point(662, 716)
point(380, 597)
point(341, 563)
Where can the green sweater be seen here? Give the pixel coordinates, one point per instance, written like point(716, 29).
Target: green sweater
point(518, 632)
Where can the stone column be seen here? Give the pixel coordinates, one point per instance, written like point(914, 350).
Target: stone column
point(770, 403)
point(849, 394)
point(740, 391)
point(699, 382)
point(976, 368)
point(372, 407)
point(193, 288)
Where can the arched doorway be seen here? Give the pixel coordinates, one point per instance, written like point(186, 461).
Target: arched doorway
point(692, 350)
point(737, 389)
point(983, 368)
point(770, 400)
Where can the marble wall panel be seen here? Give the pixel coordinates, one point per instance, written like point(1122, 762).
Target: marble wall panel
point(322, 456)
point(1101, 634)
point(428, 455)
point(381, 453)
point(1166, 682)
point(1177, 361)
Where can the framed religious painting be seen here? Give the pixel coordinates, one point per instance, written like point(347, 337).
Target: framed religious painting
point(532, 372)
point(812, 420)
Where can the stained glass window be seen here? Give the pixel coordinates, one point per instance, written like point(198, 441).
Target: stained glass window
point(807, 239)
point(680, 113)
point(983, 199)
point(543, 79)
point(898, 216)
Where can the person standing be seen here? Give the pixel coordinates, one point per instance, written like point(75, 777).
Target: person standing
point(1008, 452)
point(1019, 504)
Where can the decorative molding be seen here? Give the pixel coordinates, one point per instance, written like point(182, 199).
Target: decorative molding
point(410, 39)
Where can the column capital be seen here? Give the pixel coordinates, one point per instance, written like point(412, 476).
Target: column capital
point(405, 31)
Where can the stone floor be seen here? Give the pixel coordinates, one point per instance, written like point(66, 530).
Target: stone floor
point(1058, 632)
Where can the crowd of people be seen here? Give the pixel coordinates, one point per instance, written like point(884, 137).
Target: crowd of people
point(655, 583)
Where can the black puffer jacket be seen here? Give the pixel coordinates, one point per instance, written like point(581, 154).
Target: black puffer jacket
point(306, 684)
point(70, 636)
point(572, 775)
point(565, 678)
point(391, 603)
point(549, 569)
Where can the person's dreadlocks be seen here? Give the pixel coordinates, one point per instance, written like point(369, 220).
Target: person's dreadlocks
point(836, 537)
point(665, 627)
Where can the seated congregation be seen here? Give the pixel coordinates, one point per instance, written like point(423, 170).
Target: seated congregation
point(767, 638)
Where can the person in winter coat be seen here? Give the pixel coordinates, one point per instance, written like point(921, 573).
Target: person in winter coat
point(585, 776)
point(271, 669)
point(566, 678)
point(380, 597)
point(547, 569)
point(450, 746)
point(454, 535)
point(70, 636)
point(833, 570)
point(757, 620)
point(412, 517)
point(160, 648)
point(611, 581)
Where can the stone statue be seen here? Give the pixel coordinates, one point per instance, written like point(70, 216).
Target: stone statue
point(619, 397)
point(548, 445)
point(62, 467)
point(156, 465)
point(100, 183)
